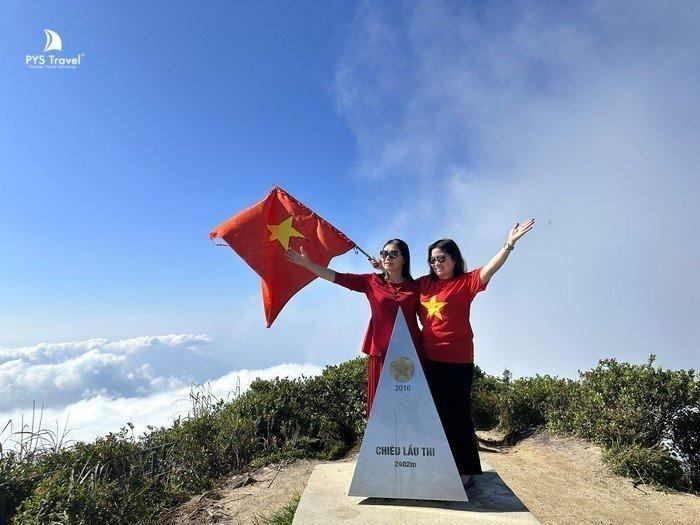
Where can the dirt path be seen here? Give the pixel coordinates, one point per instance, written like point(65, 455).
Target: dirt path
point(560, 480)
point(563, 481)
point(246, 499)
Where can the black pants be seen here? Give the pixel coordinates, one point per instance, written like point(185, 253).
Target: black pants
point(451, 386)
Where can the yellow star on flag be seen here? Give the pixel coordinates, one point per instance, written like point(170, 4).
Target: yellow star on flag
point(434, 306)
point(283, 231)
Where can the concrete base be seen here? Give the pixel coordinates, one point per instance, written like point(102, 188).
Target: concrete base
point(325, 501)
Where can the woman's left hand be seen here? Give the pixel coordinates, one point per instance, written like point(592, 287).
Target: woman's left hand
point(519, 230)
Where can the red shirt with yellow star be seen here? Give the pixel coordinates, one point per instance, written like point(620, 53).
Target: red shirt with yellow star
point(444, 314)
point(384, 300)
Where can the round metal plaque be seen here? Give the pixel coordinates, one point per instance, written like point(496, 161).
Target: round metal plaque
point(402, 369)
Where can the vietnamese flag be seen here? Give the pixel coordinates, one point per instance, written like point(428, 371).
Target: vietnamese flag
point(262, 233)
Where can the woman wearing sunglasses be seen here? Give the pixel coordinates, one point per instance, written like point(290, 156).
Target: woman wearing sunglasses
point(385, 292)
point(446, 294)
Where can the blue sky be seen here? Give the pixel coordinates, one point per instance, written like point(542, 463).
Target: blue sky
point(113, 174)
point(415, 119)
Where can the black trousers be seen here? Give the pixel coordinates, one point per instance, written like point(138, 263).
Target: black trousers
point(451, 386)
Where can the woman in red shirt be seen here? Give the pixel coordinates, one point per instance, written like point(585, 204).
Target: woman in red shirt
point(386, 291)
point(446, 294)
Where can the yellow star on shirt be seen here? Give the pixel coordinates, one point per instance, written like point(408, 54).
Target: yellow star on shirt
point(283, 231)
point(434, 306)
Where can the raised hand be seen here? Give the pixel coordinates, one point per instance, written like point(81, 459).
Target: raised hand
point(299, 258)
point(375, 263)
point(519, 230)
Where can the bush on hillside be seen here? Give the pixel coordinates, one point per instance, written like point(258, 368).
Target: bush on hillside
point(340, 396)
point(528, 402)
point(622, 403)
point(118, 479)
point(632, 410)
point(685, 435)
point(647, 464)
point(486, 399)
point(106, 481)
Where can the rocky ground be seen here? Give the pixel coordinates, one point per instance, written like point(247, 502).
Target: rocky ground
point(560, 480)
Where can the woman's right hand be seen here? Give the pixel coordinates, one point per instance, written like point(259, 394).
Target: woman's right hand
point(375, 263)
point(299, 258)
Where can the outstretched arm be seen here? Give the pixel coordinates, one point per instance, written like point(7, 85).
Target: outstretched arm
point(500, 258)
point(300, 259)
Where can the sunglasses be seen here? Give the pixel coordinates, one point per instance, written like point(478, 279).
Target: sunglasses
point(392, 254)
point(437, 259)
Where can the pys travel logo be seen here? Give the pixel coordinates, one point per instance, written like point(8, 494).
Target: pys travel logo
point(50, 60)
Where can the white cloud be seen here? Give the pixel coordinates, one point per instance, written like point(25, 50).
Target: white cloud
point(96, 386)
point(55, 374)
point(584, 116)
point(89, 418)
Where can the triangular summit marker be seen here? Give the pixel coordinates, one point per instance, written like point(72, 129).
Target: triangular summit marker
point(405, 453)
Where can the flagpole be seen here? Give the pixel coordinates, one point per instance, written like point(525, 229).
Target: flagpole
point(369, 257)
point(211, 239)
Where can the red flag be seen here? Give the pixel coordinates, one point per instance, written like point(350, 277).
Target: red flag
point(262, 233)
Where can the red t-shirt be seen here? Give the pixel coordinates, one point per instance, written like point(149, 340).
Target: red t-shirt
point(384, 300)
point(444, 314)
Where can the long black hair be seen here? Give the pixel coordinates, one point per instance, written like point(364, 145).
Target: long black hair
point(403, 248)
point(449, 247)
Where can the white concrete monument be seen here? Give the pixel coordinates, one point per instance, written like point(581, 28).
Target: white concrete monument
point(405, 453)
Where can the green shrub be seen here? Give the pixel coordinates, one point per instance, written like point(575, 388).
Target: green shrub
point(649, 464)
point(118, 479)
point(64, 497)
point(624, 404)
point(487, 392)
point(18, 479)
point(629, 409)
point(102, 482)
point(632, 410)
point(685, 435)
point(323, 415)
point(528, 402)
point(339, 396)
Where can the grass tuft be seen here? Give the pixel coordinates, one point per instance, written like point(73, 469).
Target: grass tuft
point(285, 515)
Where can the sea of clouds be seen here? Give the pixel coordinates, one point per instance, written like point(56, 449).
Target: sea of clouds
point(96, 386)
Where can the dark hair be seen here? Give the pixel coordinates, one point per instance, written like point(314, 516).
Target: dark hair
point(449, 247)
point(403, 248)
